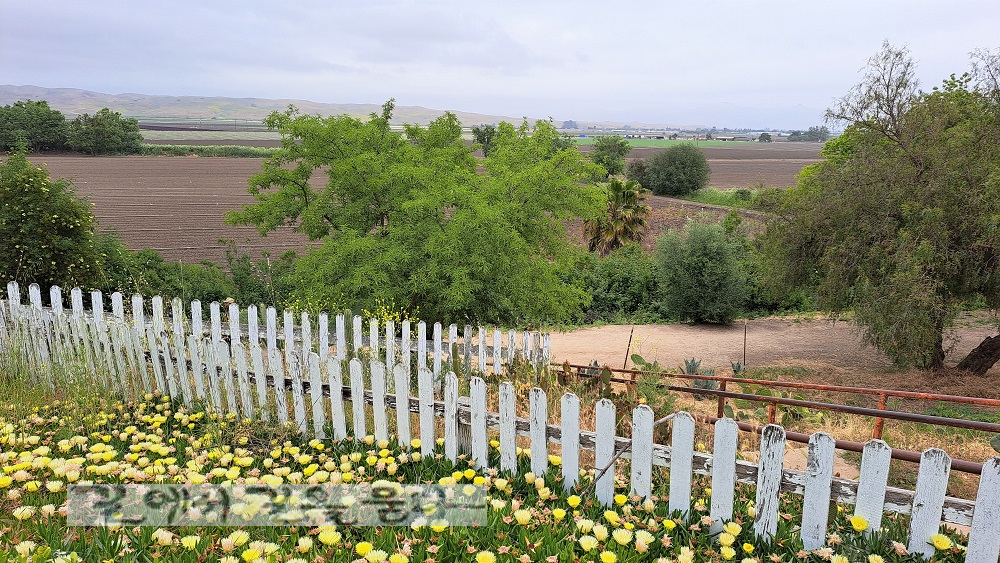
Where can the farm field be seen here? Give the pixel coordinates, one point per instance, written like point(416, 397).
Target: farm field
point(175, 205)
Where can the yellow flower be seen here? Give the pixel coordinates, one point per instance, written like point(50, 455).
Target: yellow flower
point(620, 500)
point(600, 532)
point(415, 443)
point(470, 473)
point(439, 525)
point(875, 559)
point(726, 539)
point(732, 528)
point(5, 481)
point(486, 557)
point(608, 557)
point(839, 559)
point(941, 542)
point(748, 548)
point(558, 513)
point(622, 536)
point(239, 538)
point(399, 558)
point(24, 512)
point(612, 517)
point(376, 556)
point(326, 537)
point(588, 543)
point(363, 548)
point(573, 501)
point(727, 553)
point(305, 544)
point(585, 525)
point(190, 542)
point(251, 554)
point(859, 523)
point(522, 516)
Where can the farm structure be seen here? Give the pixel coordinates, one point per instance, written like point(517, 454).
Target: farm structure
point(299, 386)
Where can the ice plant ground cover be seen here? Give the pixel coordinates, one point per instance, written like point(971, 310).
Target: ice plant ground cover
point(44, 449)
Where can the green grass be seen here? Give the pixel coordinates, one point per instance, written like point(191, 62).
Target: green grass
point(741, 198)
point(150, 135)
point(656, 142)
point(226, 151)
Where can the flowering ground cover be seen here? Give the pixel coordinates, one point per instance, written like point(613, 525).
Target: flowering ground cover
point(44, 449)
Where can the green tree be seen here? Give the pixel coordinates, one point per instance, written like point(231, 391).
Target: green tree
point(408, 220)
point(701, 273)
point(34, 123)
point(623, 222)
point(819, 133)
point(679, 170)
point(483, 136)
point(622, 285)
point(610, 152)
point(47, 232)
point(900, 222)
point(105, 132)
point(764, 138)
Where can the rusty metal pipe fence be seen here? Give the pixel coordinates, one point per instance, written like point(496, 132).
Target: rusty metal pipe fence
point(880, 413)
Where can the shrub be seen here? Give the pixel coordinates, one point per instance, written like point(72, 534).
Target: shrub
point(33, 123)
point(701, 275)
point(105, 132)
point(635, 170)
point(679, 170)
point(621, 285)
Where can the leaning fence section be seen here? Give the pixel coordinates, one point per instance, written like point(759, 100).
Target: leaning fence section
point(368, 388)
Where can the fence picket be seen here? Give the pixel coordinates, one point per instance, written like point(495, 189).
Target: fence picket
point(358, 398)
point(816, 498)
point(404, 348)
point(298, 401)
point(305, 327)
point(928, 500)
point(214, 319)
point(316, 394)
point(511, 346)
point(984, 541)
point(422, 346)
point(260, 379)
point(539, 412)
point(224, 359)
point(379, 419)
point(373, 351)
point(154, 356)
point(402, 384)
point(604, 451)
point(196, 367)
point(76, 298)
point(508, 436)
point(570, 414)
point(481, 354)
point(723, 472)
point(452, 346)
point(97, 307)
point(467, 349)
point(277, 371)
point(477, 419)
point(357, 336)
point(168, 366)
point(324, 337)
point(772, 455)
point(196, 327)
point(253, 331)
point(177, 316)
point(497, 346)
point(437, 351)
point(425, 391)
point(871, 483)
point(242, 379)
point(341, 338)
point(390, 351)
point(212, 374)
point(117, 305)
point(288, 325)
point(335, 380)
point(271, 326)
point(234, 323)
point(451, 417)
point(681, 454)
point(642, 451)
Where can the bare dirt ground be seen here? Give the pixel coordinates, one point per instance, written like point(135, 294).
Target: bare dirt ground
point(827, 350)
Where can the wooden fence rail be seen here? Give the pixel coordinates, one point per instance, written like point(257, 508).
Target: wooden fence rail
point(366, 395)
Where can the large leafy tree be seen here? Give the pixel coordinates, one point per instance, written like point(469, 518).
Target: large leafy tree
point(625, 219)
point(901, 222)
point(406, 219)
point(610, 152)
point(105, 132)
point(679, 170)
point(33, 123)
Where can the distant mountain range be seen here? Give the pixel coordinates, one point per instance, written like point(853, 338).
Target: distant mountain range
point(73, 102)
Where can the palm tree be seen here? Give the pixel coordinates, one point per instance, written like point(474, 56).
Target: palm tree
point(625, 220)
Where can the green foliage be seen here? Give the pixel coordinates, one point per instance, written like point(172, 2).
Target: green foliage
point(409, 220)
point(635, 171)
point(701, 274)
point(622, 285)
point(900, 222)
point(818, 134)
point(483, 136)
point(265, 282)
point(764, 138)
point(33, 123)
point(610, 152)
point(693, 367)
point(105, 132)
point(224, 151)
point(47, 231)
point(679, 170)
point(205, 282)
point(623, 222)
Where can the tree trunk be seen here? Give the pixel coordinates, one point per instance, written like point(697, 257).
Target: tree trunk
point(937, 360)
point(982, 357)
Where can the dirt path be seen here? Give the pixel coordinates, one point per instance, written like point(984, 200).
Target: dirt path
point(830, 348)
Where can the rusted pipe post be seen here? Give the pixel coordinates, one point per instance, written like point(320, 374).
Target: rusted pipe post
point(722, 400)
point(772, 411)
point(879, 421)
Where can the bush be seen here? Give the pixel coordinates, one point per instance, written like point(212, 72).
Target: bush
point(106, 132)
point(47, 232)
point(32, 123)
point(635, 170)
point(205, 282)
point(701, 274)
point(621, 285)
point(679, 170)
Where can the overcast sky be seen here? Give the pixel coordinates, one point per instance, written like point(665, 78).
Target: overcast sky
point(775, 64)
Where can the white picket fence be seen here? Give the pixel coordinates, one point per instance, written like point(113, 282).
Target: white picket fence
point(248, 379)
